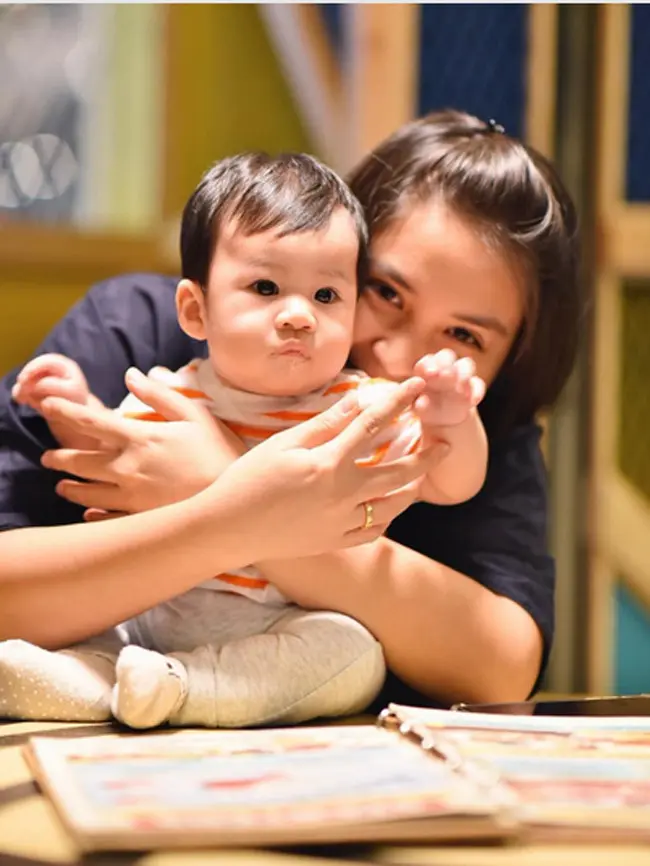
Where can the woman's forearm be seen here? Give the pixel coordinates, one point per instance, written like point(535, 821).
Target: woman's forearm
point(442, 632)
point(59, 585)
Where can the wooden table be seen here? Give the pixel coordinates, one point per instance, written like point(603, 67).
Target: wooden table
point(31, 835)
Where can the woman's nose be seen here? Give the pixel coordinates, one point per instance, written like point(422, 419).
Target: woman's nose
point(296, 315)
point(397, 355)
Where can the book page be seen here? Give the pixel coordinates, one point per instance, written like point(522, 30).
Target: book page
point(248, 785)
point(580, 772)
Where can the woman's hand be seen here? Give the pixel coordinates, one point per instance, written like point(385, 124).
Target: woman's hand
point(302, 492)
point(140, 464)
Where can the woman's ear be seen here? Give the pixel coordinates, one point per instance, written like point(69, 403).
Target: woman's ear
point(190, 308)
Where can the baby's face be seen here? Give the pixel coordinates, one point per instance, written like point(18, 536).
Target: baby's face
point(279, 311)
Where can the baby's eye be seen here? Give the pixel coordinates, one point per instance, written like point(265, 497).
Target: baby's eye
point(462, 335)
point(326, 296)
point(265, 287)
point(385, 292)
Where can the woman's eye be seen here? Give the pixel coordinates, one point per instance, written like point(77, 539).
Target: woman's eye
point(265, 287)
point(462, 335)
point(326, 296)
point(385, 292)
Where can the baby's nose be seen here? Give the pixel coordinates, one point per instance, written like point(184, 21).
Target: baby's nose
point(296, 315)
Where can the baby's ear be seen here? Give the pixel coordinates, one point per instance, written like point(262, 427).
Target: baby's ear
point(190, 308)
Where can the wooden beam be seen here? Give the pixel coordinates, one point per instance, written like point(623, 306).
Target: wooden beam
point(190, 37)
point(625, 536)
point(624, 239)
point(45, 269)
point(327, 65)
point(35, 247)
point(611, 141)
point(312, 71)
point(605, 387)
point(541, 83)
point(383, 64)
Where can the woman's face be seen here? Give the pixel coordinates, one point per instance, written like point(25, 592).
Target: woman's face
point(435, 284)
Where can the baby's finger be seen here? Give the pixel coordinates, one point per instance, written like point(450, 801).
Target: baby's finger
point(430, 365)
point(53, 386)
point(477, 387)
point(44, 365)
point(465, 369)
point(19, 393)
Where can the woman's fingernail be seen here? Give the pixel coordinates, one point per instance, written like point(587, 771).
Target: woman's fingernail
point(133, 376)
point(414, 385)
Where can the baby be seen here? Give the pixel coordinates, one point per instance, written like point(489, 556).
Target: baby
point(273, 255)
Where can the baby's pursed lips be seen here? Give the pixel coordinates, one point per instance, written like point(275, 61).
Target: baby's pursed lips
point(293, 348)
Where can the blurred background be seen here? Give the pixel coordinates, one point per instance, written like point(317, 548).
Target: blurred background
point(110, 113)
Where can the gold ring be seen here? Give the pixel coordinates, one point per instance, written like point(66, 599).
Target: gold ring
point(369, 512)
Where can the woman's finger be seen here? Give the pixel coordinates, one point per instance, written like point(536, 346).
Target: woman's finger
point(384, 511)
point(102, 496)
point(323, 427)
point(355, 439)
point(54, 386)
point(91, 420)
point(379, 481)
point(171, 404)
point(90, 465)
point(44, 365)
point(94, 515)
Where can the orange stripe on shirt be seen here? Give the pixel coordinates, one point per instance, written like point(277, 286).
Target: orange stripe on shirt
point(377, 455)
point(285, 415)
point(341, 388)
point(145, 416)
point(414, 447)
point(250, 431)
point(192, 393)
point(247, 582)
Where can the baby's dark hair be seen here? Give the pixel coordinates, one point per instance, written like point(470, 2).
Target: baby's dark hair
point(292, 192)
point(517, 202)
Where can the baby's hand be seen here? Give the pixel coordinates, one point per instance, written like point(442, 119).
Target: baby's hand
point(452, 389)
point(50, 376)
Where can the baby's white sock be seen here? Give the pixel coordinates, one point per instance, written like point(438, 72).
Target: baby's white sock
point(148, 689)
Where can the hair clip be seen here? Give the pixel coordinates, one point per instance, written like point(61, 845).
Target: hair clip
point(493, 126)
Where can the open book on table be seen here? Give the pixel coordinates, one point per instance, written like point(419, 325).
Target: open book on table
point(419, 775)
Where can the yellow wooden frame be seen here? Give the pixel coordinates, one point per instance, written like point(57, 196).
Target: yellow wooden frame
point(305, 53)
point(37, 249)
point(541, 77)
point(384, 59)
point(619, 514)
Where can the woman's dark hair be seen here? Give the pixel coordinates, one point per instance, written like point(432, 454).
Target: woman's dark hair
point(292, 192)
point(516, 200)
